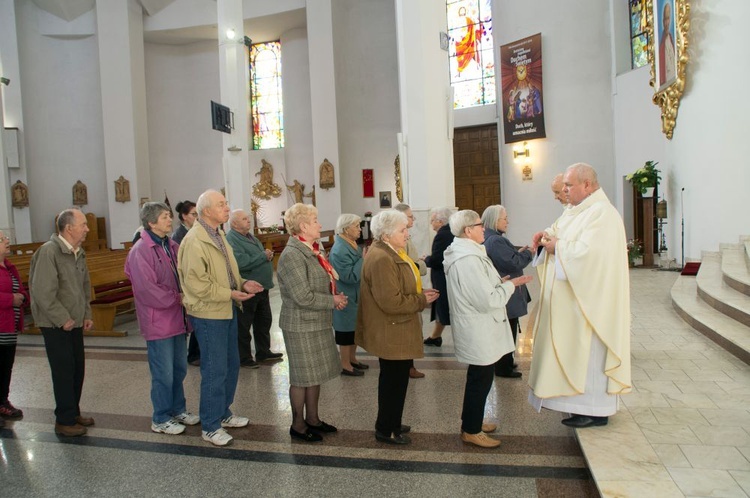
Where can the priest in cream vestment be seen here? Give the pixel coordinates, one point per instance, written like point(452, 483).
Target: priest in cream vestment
point(581, 356)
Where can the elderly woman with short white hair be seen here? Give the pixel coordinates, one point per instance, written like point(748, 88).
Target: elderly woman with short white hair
point(481, 333)
point(307, 284)
point(389, 323)
point(346, 259)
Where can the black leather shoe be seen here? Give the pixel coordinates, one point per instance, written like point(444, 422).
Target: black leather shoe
point(583, 421)
point(400, 439)
point(438, 341)
point(515, 365)
point(360, 366)
point(321, 428)
point(510, 375)
point(269, 357)
point(352, 373)
point(308, 436)
point(405, 429)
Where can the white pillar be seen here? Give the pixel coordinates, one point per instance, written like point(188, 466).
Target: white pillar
point(233, 79)
point(11, 115)
point(6, 222)
point(323, 93)
point(424, 87)
point(119, 28)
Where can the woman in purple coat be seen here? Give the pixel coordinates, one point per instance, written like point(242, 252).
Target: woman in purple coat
point(152, 269)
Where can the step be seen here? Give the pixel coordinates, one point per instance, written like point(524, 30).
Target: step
point(735, 269)
point(713, 290)
point(723, 330)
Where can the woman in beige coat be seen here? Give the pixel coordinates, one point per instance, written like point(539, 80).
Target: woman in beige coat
point(389, 325)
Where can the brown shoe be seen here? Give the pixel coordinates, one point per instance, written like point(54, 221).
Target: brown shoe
point(85, 421)
point(488, 427)
point(415, 374)
point(70, 430)
point(480, 439)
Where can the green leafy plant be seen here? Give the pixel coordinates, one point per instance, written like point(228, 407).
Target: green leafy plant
point(635, 250)
point(645, 177)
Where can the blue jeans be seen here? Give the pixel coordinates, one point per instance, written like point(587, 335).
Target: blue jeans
point(220, 368)
point(167, 360)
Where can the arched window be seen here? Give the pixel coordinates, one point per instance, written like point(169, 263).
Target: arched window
point(638, 36)
point(471, 52)
point(266, 109)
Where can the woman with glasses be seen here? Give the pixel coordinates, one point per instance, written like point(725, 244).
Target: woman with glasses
point(187, 214)
point(481, 334)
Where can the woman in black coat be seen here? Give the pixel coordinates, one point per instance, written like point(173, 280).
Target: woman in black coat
point(440, 313)
point(510, 262)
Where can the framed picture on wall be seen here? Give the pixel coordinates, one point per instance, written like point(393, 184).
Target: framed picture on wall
point(385, 200)
point(667, 27)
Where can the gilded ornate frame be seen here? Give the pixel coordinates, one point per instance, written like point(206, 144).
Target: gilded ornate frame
point(668, 98)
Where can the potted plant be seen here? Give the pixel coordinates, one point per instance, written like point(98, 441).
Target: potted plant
point(645, 179)
point(635, 251)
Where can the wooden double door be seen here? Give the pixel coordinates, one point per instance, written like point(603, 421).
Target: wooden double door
point(476, 167)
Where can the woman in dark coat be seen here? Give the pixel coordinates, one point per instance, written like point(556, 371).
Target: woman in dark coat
point(440, 313)
point(509, 262)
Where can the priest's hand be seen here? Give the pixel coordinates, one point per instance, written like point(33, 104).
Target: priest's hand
point(549, 244)
point(536, 239)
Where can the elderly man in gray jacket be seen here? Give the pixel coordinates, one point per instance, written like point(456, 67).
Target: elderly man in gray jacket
point(60, 297)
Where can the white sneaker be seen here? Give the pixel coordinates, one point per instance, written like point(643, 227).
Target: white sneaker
point(169, 427)
point(219, 437)
point(235, 421)
point(186, 418)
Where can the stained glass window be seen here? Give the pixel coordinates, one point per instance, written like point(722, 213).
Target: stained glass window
point(471, 52)
point(638, 36)
point(266, 110)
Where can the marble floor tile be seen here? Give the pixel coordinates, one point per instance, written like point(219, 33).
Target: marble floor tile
point(667, 374)
point(726, 417)
point(708, 387)
point(644, 399)
point(679, 416)
point(714, 457)
point(669, 434)
point(722, 436)
point(671, 455)
point(619, 489)
point(703, 482)
point(714, 375)
point(743, 479)
point(657, 386)
point(692, 400)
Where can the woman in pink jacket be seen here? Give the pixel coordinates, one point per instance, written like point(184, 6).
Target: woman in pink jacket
point(152, 269)
point(13, 296)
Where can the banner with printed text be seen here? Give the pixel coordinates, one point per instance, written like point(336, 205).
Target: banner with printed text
point(522, 89)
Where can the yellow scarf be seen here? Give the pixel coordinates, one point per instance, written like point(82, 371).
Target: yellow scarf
point(414, 268)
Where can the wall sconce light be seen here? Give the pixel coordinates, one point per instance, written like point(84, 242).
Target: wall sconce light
point(522, 152)
point(231, 34)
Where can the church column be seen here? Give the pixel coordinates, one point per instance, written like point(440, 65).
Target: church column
point(324, 123)
point(119, 28)
point(6, 223)
point(233, 79)
point(424, 89)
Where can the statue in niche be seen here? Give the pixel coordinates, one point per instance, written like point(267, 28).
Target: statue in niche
point(266, 188)
point(326, 175)
point(20, 194)
point(122, 190)
point(80, 194)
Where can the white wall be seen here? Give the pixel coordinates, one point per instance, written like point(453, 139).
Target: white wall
point(184, 151)
point(367, 99)
point(63, 121)
point(577, 104)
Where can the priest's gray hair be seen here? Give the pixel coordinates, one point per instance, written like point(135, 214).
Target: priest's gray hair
point(584, 172)
point(386, 222)
point(345, 221)
point(402, 207)
point(461, 220)
point(491, 216)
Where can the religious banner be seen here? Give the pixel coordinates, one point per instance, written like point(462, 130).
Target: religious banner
point(368, 183)
point(522, 90)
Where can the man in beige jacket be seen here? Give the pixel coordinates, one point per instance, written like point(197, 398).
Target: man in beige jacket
point(213, 291)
